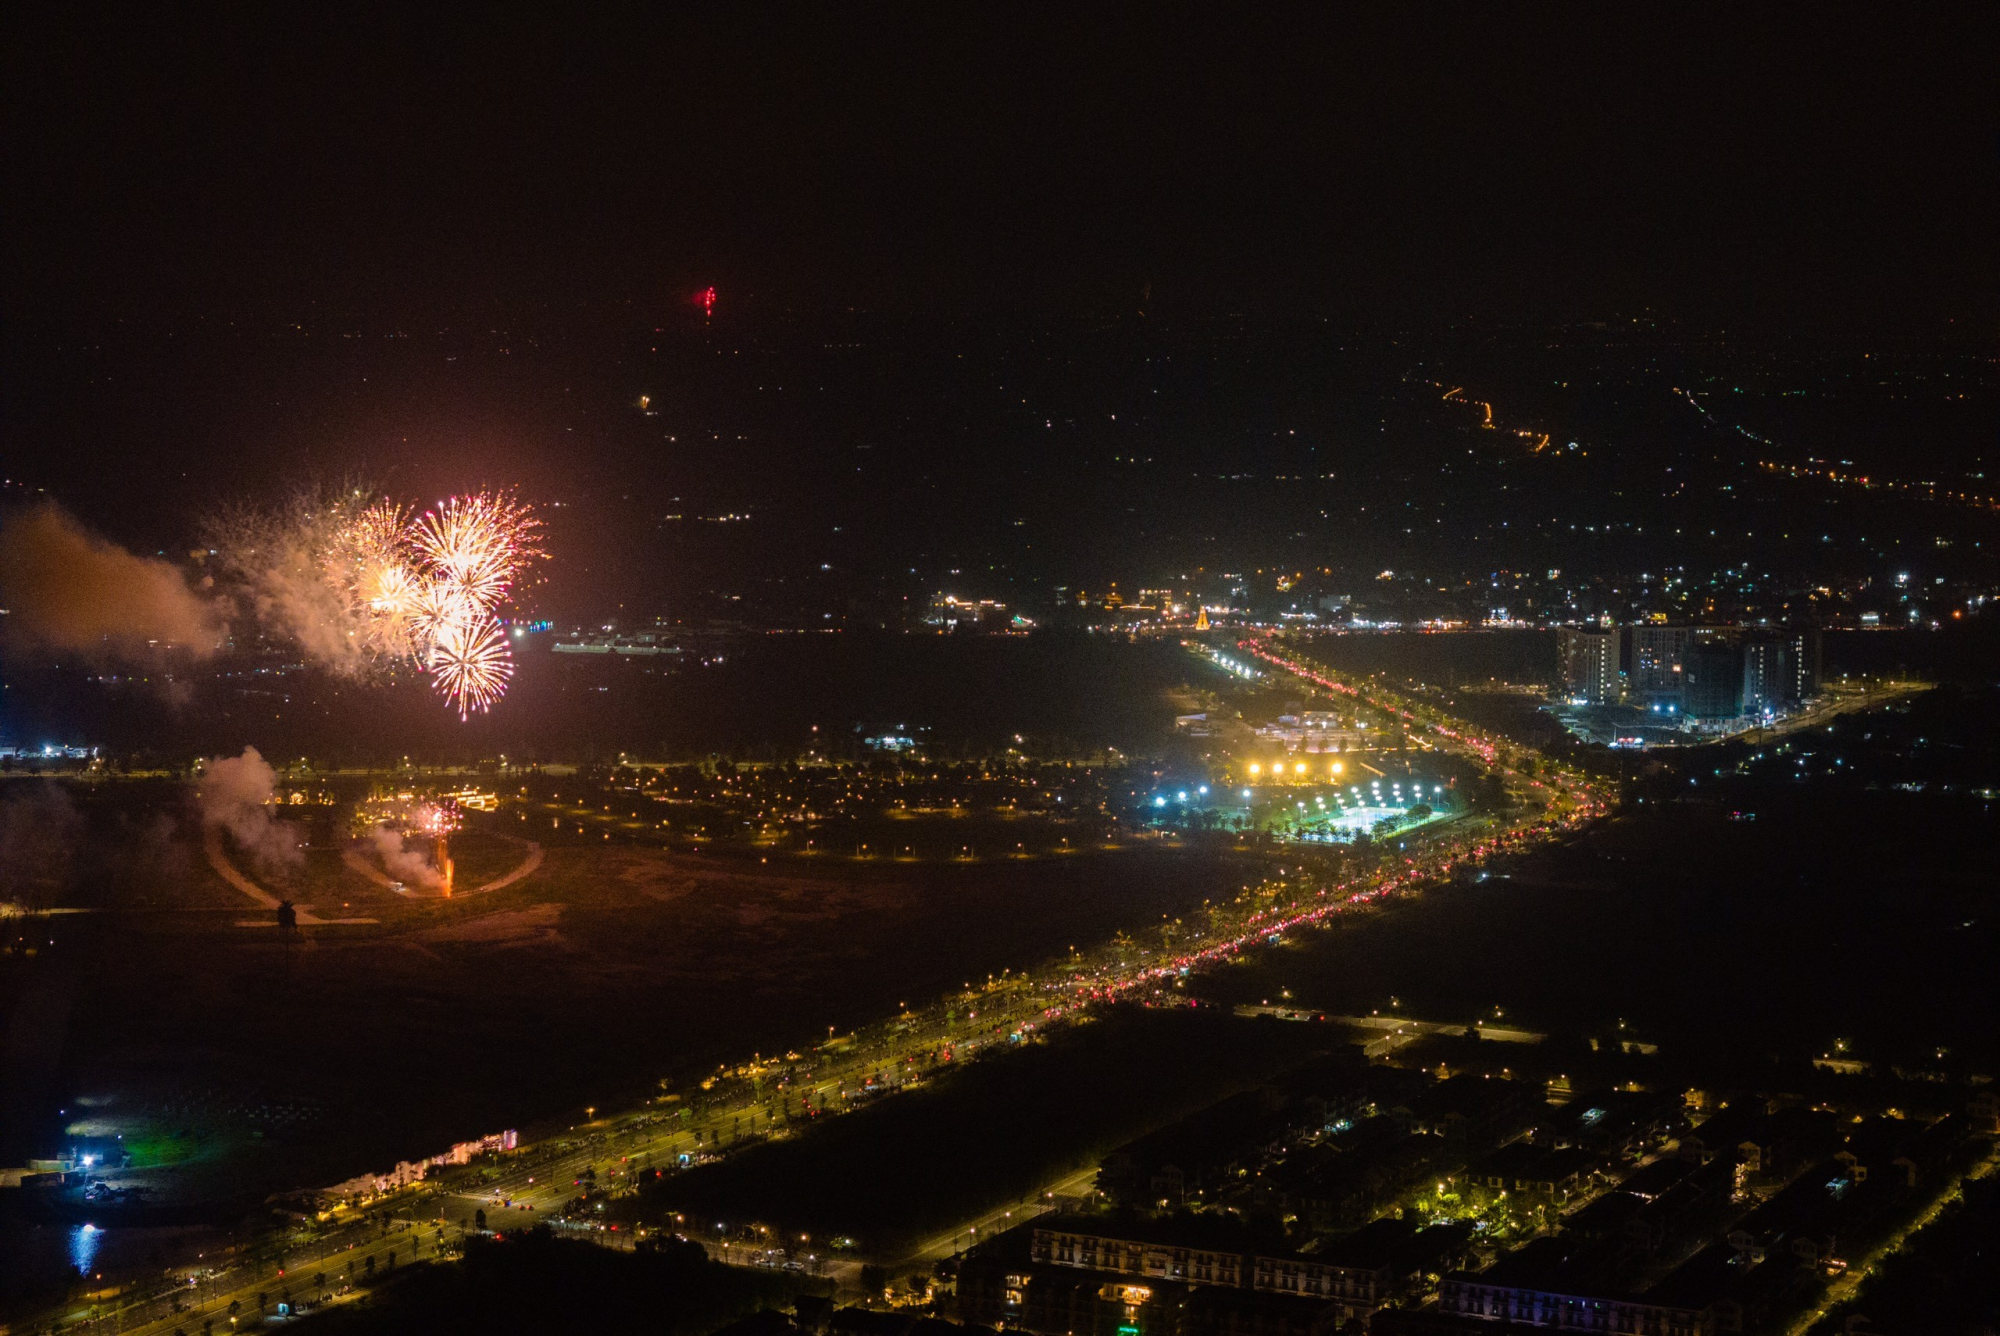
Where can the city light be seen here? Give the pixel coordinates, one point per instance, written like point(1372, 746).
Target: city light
point(861, 499)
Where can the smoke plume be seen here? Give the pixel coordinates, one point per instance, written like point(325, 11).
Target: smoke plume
point(277, 562)
point(65, 588)
point(402, 862)
point(236, 795)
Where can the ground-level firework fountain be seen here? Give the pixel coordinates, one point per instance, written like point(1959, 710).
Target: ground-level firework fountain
point(438, 820)
point(388, 822)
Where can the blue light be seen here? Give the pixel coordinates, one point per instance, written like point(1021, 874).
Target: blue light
point(1203, 790)
point(83, 1241)
point(1159, 802)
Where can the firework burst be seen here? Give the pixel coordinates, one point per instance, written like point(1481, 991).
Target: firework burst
point(467, 553)
point(477, 544)
point(364, 583)
point(470, 664)
point(434, 819)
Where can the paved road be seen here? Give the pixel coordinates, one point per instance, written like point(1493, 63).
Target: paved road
point(1002, 1218)
point(1831, 706)
point(323, 1268)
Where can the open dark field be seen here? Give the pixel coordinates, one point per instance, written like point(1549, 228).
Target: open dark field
point(252, 1065)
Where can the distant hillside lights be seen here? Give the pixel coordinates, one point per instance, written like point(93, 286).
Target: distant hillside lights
point(1145, 609)
point(951, 610)
point(48, 751)
point(608, 641)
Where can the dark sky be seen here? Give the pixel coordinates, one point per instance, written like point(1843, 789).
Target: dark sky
point(1824, 165)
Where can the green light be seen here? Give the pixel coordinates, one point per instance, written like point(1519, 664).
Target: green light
point(1128, 1329)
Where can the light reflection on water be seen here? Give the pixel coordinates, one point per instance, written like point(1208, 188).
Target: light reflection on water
point(83, 1241)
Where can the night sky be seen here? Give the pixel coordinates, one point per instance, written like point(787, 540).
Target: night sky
point(971, 272)
point(1818, 167)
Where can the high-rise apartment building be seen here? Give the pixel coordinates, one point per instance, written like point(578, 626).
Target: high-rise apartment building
point(1589, 665)
point(1780, 670)
point(1658, 659)
point(1713, 674)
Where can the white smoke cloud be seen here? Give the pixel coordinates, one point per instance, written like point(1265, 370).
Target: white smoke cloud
point(235, 794)
point(275, 563)
point(402, 862)
point(66, 588)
